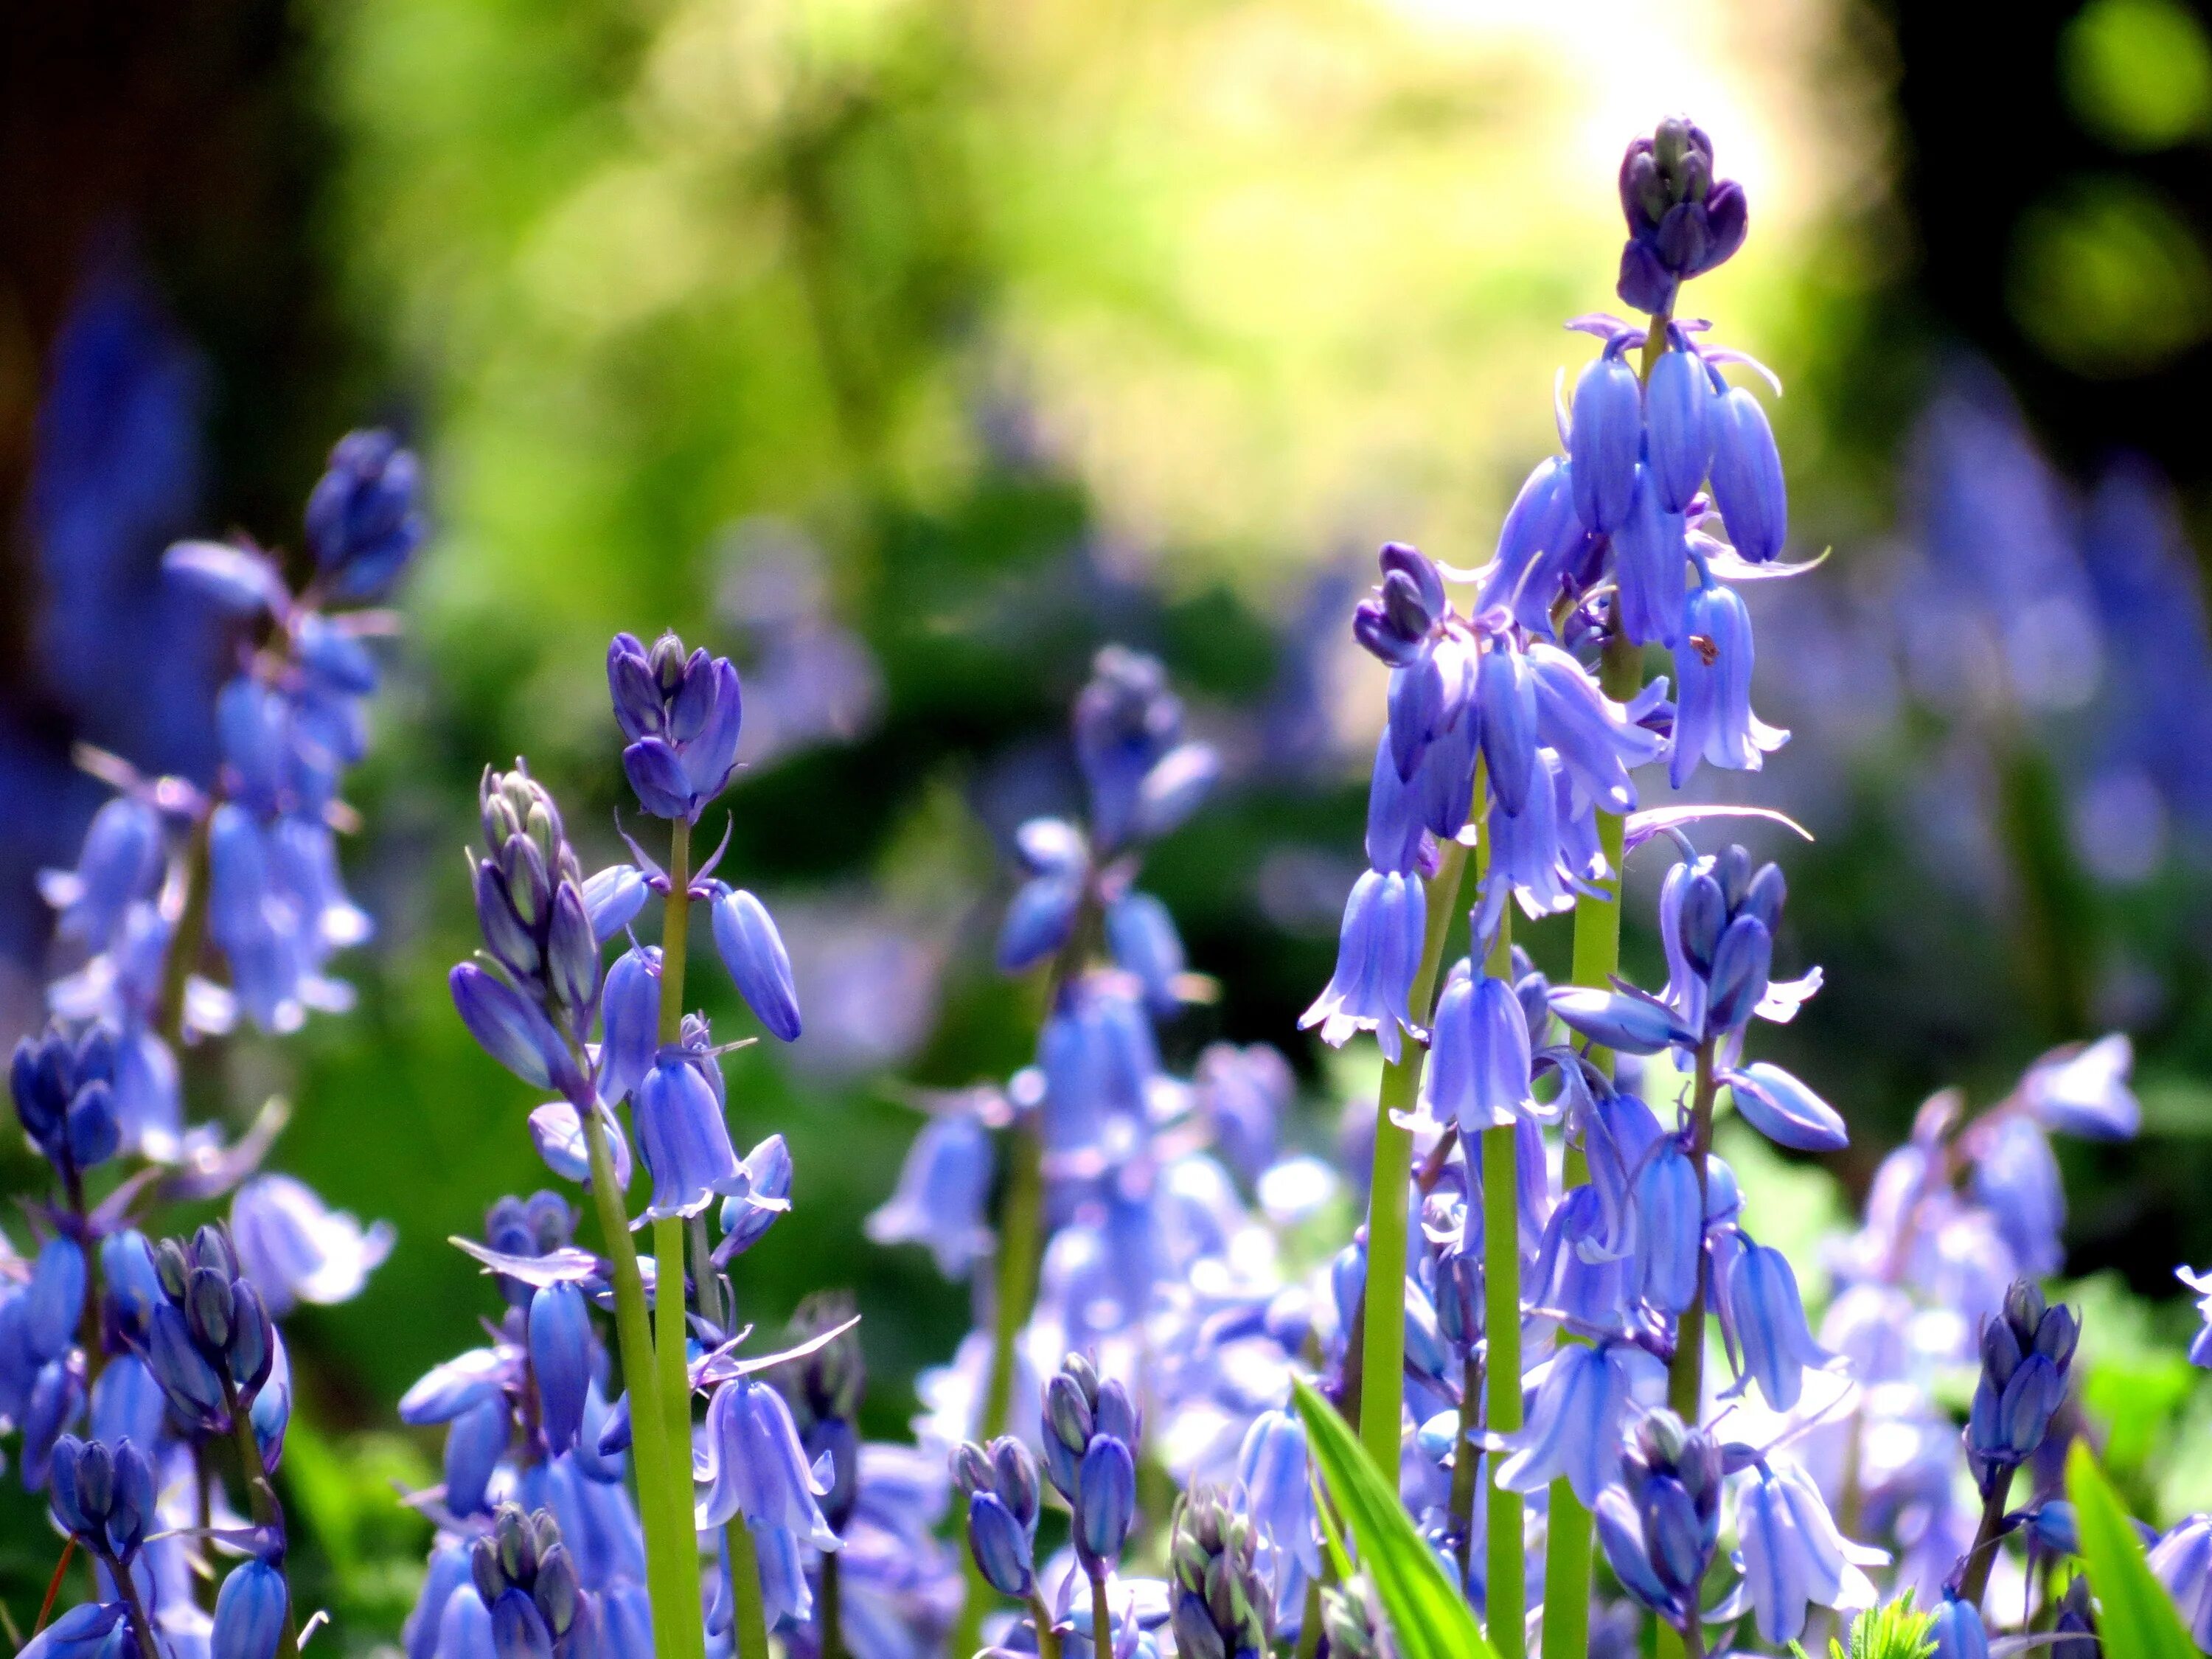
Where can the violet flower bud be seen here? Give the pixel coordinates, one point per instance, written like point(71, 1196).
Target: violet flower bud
point(1678, 432)
point(363, 519)
point(1746, 475)
point(752, 949)
point(1605, 438)
point(249, 1613)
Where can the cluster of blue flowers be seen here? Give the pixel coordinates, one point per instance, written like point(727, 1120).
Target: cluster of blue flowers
point(128, 1364)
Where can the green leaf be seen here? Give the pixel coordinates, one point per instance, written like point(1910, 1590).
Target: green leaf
point(2135, 1617)
point(1429, 1617)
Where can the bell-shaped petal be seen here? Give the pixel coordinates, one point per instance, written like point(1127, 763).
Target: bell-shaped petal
point(1766, 1318)
point(1506, 687)
point(1038, 920)
point(1625, 1022)
point(1604, 441)
point(1385, 921)
point(1574, 1428)
point(249, 1613)
point(763, 1193)
point(754, 1467)
point(474, 1442)
point(684, 1137)
point(1479, 1070)
point(629, 1009)
point(752, 949)
point(1669, 1225)
point(1541, 532)
point(2016, 1177)
point(560, 1356)
point(2084, 1090)
point(1651, 566)
point(1593, 737)
point(1141, 937)
point(1746, 476)
point(1713, 660)
point(1678, 438)
point(1784, 1111)
point(1175, 786)
point(613, 897)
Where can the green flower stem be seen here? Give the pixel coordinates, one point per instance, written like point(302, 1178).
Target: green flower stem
point(1686, 1377)
point(1047, 1638)
point(829, 1606)
point(1464, 1459)
point(672, 1346)
point(140, 1627)
point(1310, 1623)
point(1021, 1241)
point(748, 1619)
point(649, 1442)
point(261, 1501)
point(1505, 1577)
point(1382, 1334)
point(1101, 1615)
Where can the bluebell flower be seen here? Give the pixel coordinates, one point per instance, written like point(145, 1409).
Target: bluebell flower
point(1044, 907)
point(629, 1015)
point(1479, 1070)
point(1678, 436)
point(763, 1193)
point(1143, 779)
point(1574, 1427)
point(1584, 1268)
point(1542, 534)
point(752, 1462)
point(1384, 923)
point(681, 1131)
point(561, 1355)
point(2027, 1353)
point(1713, 660)
point(1097, 1057)
point(250, 1611)
point(751, 949)
point(513, 1031)
point(85, 1631)
point(1746, 475)
point(1650, 564)
point(126, 1402)
point(1784, 1109)
point(1542, 857)
point(121, 863)
point(1682, 220)
point(1277, 1475)
point(1141, 937)
point(1595, 738)
point(1628, 1022)
point(295, 1249)
point(613, 897)
point(362, 518)
point(1793, 1556)
point(1660, 1526)
point(1396, 620)
point(2181, 1560)
point(1670, 1229)
point(2016, 1177)
point(54, 1304)
point(1764, 1317)
point(1506, 693)
point(1605, 438)
point(2084, 1090)
point(680, 715)
point(1244, 1094)
point(65, 1094)
point(103, 1494)
point(1957, 1632)
point(942, 1193)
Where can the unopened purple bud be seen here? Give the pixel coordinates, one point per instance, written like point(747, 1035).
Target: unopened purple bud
point(752, 949)
point(1630, 1024)
point(1105, 1499)
point(474, 1442)
point(250, 1347)
point(56, 1298)
point(612, 897)
point(183, 1373)
point(363, 519)
point(1038, 920)
point(1000, 1546)
point(512, 1029)
point(1957, 1632)
point(572, 952)
point(1747, 474)
point(1671, 1236)
point(1605, 439)
point(560, 1360)
point(518, 1629)
point(1740, 963)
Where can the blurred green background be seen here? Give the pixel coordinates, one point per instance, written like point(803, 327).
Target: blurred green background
point(908, 350)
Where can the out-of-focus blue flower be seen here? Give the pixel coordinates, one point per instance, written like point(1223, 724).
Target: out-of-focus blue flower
point(295, 1249)
point(2016, 1177)
point(1243, 1093)
point(1377, 954)
point(753, 1464)
point(2084, 1090)
point(1141, 937)
point(2181, 1560)
point(363, 519)
point(1272, 1467)
point(1144, 780)
point(1044, 907)
point(681, 716)
point(763, 1193)
point(64, 1097)
point(944, 1188)
point(121, 863)
point(1097, 1057)
point(1682, 220)
point(2200, 1346)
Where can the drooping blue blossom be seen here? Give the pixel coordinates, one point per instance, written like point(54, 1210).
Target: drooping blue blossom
point(1479, 1070)
point(752, 949)
point(1747, 474)
point(2181, 1560)
point(752, 1463)
point(1713, 722)
point(2084, 1090)
point(1660, 1528)
point(1144, 778)
point(1792, 1556)
point(249, 1611)
point(1605, 439)
point(295, 1249)
point(681, 1130)
point(1764, 1318)
point(1244, 1094)
point(1276, 1473)
point(944, 1187)
point(1583, 1396)
point(1385, 922)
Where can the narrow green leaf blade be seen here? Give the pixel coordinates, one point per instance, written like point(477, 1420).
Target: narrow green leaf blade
point(2135, 1618)
point(1429, 1617)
